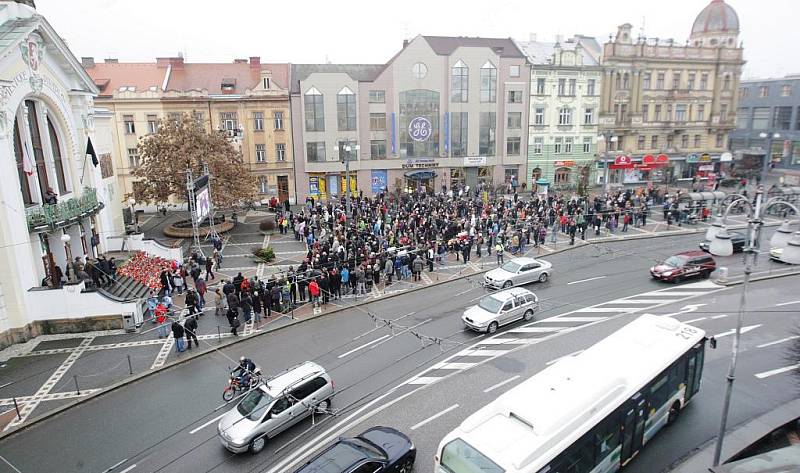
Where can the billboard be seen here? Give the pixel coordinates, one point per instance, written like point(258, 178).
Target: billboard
point(202, 205)
point(379, 181)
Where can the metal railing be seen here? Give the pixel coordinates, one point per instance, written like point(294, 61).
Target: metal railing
point(47, 216)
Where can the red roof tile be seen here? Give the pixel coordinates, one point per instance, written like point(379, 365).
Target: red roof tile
point(205, 76)
point(111, 76)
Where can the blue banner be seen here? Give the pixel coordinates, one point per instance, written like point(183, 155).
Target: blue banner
point(313, 185)
point(379, 181)
point(446, 132)
point(394, 135)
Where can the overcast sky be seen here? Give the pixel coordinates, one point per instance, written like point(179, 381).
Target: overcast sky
point(372, 31)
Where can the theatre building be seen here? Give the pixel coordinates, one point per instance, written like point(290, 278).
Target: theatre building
point(444, 112)
point(52, 191)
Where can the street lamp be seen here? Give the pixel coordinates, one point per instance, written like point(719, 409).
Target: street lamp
point(134, 220)
point(767, 153)
point(346, 161)
point(721, 245)
point(65, 239)
point(606, 138)
point(714, 228)
point(782, 236)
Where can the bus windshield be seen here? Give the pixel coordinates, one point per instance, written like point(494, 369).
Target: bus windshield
point(459, 457)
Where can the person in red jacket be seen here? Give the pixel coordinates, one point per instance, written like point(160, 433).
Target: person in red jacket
point(313, 289)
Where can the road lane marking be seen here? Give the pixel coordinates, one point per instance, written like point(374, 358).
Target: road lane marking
point(424, 380)
point(733, 330)
point(503, 341)
point(126, 470)
point(537, 329)
point(501, 383)
point(720, 316)
point(482, 353)
point(675, 293)
point(562, 357)
point(767, 374)
point(364, 345)
point(463, 292)
point(434, 417)
point(695, 320)
point(198, 429)
point(778, 341)
point(574, 319)
point(787, 303)
point(453, 366)
point(607, 309)
point(636, 301)
point(585, 280)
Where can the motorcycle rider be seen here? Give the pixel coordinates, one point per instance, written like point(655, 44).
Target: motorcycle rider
point(244, 372)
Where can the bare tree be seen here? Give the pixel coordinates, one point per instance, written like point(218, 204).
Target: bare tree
point(181, 144)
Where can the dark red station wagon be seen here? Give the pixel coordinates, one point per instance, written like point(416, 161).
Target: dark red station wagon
point(684, 265)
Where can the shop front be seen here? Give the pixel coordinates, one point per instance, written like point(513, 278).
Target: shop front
point(332, 185)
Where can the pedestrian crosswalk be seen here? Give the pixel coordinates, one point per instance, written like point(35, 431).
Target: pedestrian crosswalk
point(531, 333)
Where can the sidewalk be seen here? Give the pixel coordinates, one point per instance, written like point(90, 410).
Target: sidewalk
point(51, 371)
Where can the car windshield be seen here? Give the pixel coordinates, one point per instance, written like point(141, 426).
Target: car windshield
point(490, 304)
point(511, 267)
point(254, 404)
point(460, 457)
point(368, 448)
point(675, 261)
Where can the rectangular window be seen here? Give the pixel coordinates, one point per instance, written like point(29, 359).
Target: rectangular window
point(640, 142)
point(538, 144)
point(645, 113)
point(539, 86)
point(690, 81)
point(315, 150)
point(565, 116)
point(669, 113)
point(174, 116)
point(782, 118)
point(198, 116)
point(459, 83)
point(488, 84)
point(654, 142)
point(377, 121)
point(704, 81)
point(700, 113)
point(280, 151)
point(568, 145)
point(572, 86)
point(646, 80)
point(261, 153)
point(512, 146)
point(723, 112)
point(786, 90)
point(558, 145)
point(676, 80)
point(130, 128)
point(346, 112)
point(680, 113)
point(258, 121)
point(513, 70)
point(684, 141)
point(133, 158)
point(761, 118)
point(763, 91)
point(697, 141)
point(514, 96)
point(588, 116)
point(486, 137)
point(538, 116)
point(562, 86)
point(669, 141)
point(348, 150)
point(514, 120)
point(377, 149)
point(315, 112)
point(228, 121)
point(152, 123)
point(458, 133)
point(657, 113)
point(377, 96)
point(277, 118)
point(587, 144)
point(742, 117)
point(660, 81)
point(590, 87)
point(720, 139)
point(263, 187)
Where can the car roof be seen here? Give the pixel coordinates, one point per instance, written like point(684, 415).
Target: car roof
point(512, 292)
point(524, 260)
point(692, 254)
point(291, 376)
point(346, 456)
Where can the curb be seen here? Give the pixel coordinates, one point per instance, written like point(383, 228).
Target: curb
point(113, 387)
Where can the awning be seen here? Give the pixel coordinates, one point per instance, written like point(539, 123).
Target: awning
point(420, 175)
point(704, 196)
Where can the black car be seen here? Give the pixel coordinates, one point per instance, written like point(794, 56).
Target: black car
point(737, 240)
point(376, 450)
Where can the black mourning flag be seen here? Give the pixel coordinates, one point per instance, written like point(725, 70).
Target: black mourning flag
point(90, 150)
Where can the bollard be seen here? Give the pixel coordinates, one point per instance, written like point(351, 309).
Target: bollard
point(77, 388)
point(16, 406)
point(219, 335)
point(130, 366)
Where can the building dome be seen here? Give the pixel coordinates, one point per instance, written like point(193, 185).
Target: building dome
point(716, 17)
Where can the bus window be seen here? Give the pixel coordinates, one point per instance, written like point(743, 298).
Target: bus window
point(459, 457)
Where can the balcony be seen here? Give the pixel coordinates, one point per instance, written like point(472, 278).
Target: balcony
point(45, 218)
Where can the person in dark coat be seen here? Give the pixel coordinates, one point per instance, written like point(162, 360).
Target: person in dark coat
point(257, 305)
point(191, 301)
point(209, 267)
point(177, 333)
point(190, 327)
point(246, 303)
point(237, 282)
point(233, 320)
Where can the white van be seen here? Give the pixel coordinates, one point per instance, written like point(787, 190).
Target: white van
point(274, 406)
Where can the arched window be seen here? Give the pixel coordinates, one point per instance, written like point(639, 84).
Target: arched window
point(626, 81)
point(38, 150)
point(460, 83)
point(726, 83)
point(488, 82)
point(23, 176)
point(57, 161)
point(618, 81)
point(561, 176)
point(262, 185)
point(314, 110)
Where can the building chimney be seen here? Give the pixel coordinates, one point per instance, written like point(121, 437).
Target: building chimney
point(255, 63)
point(87, 62)
point(405, 43)
point(111, 60)
point(240, 61)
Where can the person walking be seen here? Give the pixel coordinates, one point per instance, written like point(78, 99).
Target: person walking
point(417, 267)
point(498, 249)
point(313, 290)
point(177, 334)
point(257, 307)
point(219, 301)
point(161, 320)
point(190, 329)
point(201, 287)
point(246, 303)
point(209, 268)
point(233, 321)
point(191, 301)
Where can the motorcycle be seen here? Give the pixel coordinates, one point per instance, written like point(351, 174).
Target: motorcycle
point(236, 385)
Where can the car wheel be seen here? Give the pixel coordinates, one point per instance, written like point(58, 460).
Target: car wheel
point(706, 274)
point(258, 444)
point(677, 279)
point(528, 315)
point(407, 466)
point(492, 327)
point(326, 404)
point(543, 277)
point(674, 412)
point(507, 284)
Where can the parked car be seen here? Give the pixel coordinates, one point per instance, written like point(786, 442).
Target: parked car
point(737, 240)
point(273, 407)
point(518, 271)
point(501, 308)
point(684, 265)
point(377, 450)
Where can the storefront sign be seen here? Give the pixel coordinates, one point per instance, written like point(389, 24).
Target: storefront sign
point(474, 161)
point(705, 158)
point(564, 164)
point(692, 158)
point(313, 185)
point(648, 159)
point(420, 163)
point(420, 129)
point(706, 167)
point(379, 181)
point(631, 175)
point(623, 160)
point(662, 159)
point(726, 157)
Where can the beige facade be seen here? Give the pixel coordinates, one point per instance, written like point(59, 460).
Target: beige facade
point(663, 98)
point(247, 99)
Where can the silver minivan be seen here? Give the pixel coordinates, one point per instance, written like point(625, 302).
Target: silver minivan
point(274, 406)
point(500, 308)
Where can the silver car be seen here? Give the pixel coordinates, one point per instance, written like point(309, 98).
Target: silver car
point(274, 406)
point(501, 308)
point(518, 271)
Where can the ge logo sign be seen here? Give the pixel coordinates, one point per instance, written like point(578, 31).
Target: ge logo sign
point(420, 129)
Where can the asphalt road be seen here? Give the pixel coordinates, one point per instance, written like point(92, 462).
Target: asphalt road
point(165, 422)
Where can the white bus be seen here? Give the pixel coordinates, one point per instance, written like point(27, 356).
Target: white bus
point(590, 413)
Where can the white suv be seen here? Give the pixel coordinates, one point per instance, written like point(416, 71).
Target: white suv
point(274, 406)
point(500, 308)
